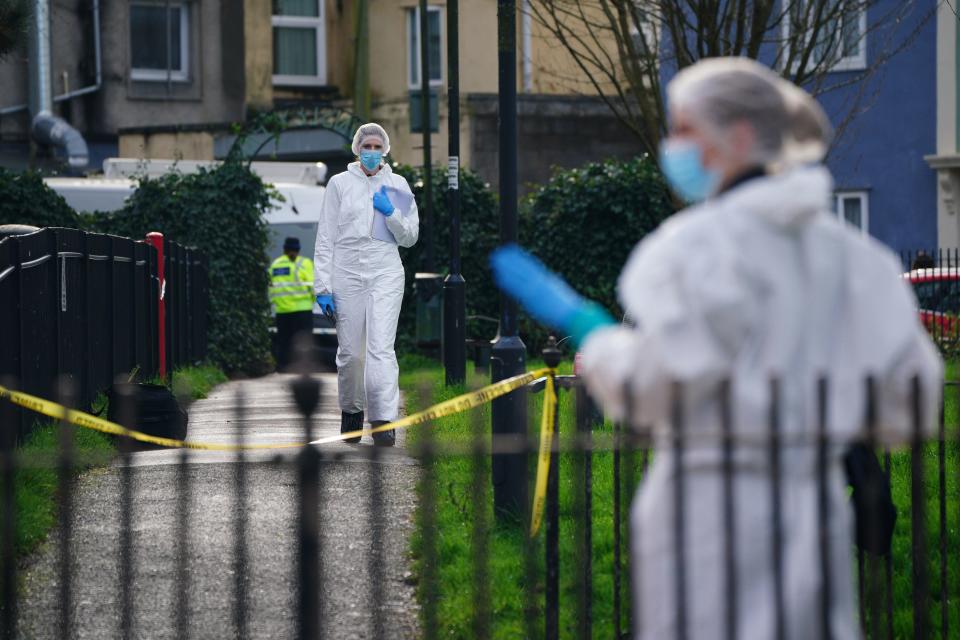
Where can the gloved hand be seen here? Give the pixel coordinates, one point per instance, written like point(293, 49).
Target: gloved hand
point(545, 295)
point(381, 202)
point(325, 300)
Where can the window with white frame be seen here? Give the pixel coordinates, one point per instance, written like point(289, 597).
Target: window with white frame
point(299, 43)
point(159, 41)
point(854, 208)
point(841, 37)
point(434, 42)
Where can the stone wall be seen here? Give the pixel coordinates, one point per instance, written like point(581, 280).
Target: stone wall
point(564, 131)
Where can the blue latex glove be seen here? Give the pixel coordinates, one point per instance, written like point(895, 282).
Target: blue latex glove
point(544, 294)
point(326, 305)
point(381, 202)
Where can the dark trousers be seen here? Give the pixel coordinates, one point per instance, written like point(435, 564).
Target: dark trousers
point(288, 326)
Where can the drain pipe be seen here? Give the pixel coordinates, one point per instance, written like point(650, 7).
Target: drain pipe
point(96, 59)
point(41, 98)
point(98, 80)
point(53, 130)
point(47, 128)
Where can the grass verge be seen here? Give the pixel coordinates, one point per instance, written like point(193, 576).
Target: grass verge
point(198, 381)
point(37, 479)
point(457, 511)
point(941, 594)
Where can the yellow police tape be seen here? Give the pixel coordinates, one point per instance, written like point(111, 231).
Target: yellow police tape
point(543, 458)
point(87, 421)
point(443, 409)
point(451, 406)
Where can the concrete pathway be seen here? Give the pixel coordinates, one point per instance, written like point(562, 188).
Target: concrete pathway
point(271, 508)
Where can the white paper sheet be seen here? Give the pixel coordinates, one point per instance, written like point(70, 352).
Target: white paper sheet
point(380, 230)
point(402, 201)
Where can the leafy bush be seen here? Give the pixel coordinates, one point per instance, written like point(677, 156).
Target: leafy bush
point(219, 211)
point(14, 15)
point(479, 234)
point(25, 199)
point(584, 222)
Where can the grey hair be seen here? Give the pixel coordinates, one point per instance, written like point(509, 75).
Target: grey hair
point(719, 92)
point(370, 130)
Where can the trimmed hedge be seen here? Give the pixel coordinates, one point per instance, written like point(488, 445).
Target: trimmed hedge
point(219, 211)
point(25, 199)
point(584, 222)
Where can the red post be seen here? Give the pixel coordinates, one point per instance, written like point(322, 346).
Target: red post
point(155, 239)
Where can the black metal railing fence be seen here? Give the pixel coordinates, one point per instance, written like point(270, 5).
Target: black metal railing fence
point(906, 593)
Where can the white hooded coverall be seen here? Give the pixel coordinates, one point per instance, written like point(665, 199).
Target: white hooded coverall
point(760, 281)
point(366, 278)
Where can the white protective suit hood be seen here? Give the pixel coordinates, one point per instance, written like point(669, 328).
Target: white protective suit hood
point(810, 189)
point(759, 282)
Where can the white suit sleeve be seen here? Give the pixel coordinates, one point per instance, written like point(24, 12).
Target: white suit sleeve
point(326, 235)
point(405, 227)
point(918, 359)
point(914, 356)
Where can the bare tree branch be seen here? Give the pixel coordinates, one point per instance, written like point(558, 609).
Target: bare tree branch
point(623, 47)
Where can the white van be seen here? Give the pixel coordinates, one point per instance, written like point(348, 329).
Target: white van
point(300, 184)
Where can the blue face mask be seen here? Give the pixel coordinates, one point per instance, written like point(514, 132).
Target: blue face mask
point(682, 164)
point(371, 159)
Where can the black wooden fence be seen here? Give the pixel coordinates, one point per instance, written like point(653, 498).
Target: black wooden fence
point(84, 307)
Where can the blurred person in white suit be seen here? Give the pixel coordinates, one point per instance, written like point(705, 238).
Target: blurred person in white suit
point(757, 280)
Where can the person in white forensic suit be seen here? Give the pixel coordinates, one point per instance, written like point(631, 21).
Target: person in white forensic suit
point(359, 278)
point(756, 282)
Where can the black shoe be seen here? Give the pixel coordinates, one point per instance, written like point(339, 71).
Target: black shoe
point(351, 422)
point(384, 438)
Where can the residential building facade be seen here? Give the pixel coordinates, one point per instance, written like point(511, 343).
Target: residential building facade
point(174, 74)
point(886, 126)
point(945, 159)
point(166, 78)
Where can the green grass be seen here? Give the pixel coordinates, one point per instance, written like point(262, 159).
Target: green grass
point(37, 480)
point(199, 381)
point(423, 382)
point(455, 517)
point(901, 487)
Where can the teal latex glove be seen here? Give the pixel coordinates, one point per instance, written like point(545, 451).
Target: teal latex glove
point(544, 294)
point(381, 202)
point(326, 305)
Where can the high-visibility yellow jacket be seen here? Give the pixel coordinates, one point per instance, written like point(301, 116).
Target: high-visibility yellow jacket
point(291, 284)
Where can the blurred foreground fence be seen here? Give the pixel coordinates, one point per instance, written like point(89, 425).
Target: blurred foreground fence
point(742, 534)
point(84, 307)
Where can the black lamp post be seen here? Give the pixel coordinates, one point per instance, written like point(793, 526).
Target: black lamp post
point(425, 129)
point(454, 304)
point(508, 357)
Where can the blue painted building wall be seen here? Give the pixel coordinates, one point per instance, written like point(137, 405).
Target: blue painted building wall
point(881, 151)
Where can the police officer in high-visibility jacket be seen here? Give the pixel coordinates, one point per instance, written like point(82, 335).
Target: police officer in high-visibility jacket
point(291, 294)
